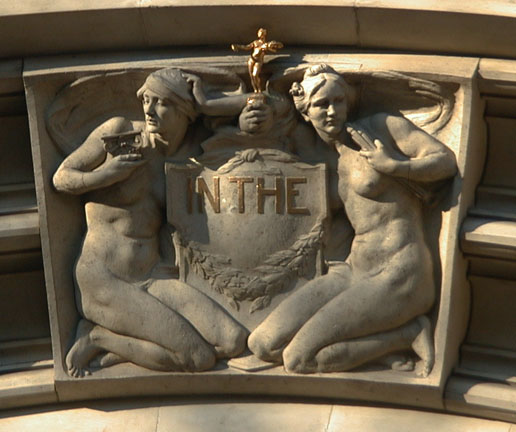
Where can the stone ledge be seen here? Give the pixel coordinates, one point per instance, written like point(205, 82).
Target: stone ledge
point(489, 237)
point(19, 232)
point(479, 7)
point(28, 388)
point(462, 396)
point(234, 416)
point(446, 27)
point(481, 399)
point(26, 354)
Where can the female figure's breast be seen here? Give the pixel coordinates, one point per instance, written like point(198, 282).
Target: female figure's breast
point(357, 176)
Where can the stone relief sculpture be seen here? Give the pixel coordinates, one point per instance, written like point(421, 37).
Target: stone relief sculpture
point(374, 302)
point(248, 188)
point(117, 284)
point(249, 201)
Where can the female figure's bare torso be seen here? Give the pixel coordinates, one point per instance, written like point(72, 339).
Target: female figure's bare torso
point(386, 218)
point(124, 221)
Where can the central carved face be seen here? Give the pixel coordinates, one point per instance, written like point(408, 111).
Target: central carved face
point(328, 109)
point(161, 116)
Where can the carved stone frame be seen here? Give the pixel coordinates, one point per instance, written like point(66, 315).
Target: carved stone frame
point(62, 226)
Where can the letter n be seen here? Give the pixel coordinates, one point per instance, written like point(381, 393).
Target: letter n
point(203, 190)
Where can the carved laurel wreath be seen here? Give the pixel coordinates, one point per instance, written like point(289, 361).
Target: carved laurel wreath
point(262, 283)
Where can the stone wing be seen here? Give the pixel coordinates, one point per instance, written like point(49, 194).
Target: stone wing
point(86, 103)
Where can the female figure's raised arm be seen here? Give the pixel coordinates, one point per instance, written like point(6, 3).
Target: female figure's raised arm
point(403, 150)
point(90, 167)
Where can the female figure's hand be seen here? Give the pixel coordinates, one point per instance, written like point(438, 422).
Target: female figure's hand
point(380, 158)
point(197, 89)
point(122, 166)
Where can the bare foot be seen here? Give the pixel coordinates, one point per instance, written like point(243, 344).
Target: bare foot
point(107, 359)
point(423, 346)
point(398, 362)
point(82, 351)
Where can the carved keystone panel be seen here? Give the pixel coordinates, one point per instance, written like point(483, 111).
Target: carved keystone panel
point(197, 236)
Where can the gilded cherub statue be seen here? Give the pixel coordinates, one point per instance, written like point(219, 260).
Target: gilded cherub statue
point(259, 48)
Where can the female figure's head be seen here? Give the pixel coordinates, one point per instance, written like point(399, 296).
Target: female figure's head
point(324, 99)
point(168, 104)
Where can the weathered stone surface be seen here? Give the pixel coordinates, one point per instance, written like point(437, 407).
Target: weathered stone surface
point(444, 27)
point(469, 101)
point(231, 416)
point(238, 188)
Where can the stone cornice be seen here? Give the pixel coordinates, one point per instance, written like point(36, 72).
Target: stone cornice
point(478, 28)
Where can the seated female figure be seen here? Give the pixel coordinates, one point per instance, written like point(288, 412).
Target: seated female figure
point(128, 313)
point(373, 303)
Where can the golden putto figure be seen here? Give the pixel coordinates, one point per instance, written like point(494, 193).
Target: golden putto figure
point(259, 48)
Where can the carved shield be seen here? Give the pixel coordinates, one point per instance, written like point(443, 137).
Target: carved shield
point(250, 230)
